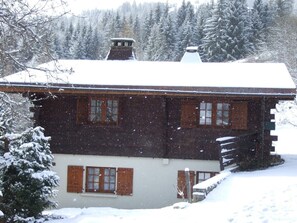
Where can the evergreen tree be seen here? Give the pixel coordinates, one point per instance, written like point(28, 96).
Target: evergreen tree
point(284, 7)
point(95, 46)
point(238, 31)
point(154, 48)
point(67, 44)
point(216, 39)
point(26, 179)
point(181, 14)
point(203, 14)
point(184, 29)
point(167, 31)
point(258, 37)
point(146, 31)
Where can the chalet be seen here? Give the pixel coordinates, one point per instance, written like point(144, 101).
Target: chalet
point(124, 131)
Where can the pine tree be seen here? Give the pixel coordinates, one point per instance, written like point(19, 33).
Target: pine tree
point(67, 44)
point(167, 31)
point(26, 179)
point(238, 31)
point(258, 37)
point(284, 7)
point(216, 39)
point(184, 29)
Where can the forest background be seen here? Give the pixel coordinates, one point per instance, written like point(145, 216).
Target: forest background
point(223, 30)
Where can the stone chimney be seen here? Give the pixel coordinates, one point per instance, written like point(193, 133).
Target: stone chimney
point(121, 49)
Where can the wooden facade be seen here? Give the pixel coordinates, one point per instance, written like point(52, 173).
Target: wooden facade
point(151, 126)
point(117, 125)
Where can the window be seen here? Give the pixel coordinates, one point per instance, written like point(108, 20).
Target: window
point(100, 180)
point(214, 114)
point(103, 110)
point(194, 114)
point(222, 117)
point(197, 177)
point(202, 176)
point(205, 113)
point(98, 110)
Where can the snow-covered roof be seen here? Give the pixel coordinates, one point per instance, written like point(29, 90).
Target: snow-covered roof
point(161, 77)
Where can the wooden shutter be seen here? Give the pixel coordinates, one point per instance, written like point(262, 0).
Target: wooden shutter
point(82, 110)
point(125, 181)
point(181, 182)
point(239, 115)
point(75, 179)
point(188, 114)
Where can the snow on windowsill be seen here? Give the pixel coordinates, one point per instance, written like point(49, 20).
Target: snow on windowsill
point(99, 195)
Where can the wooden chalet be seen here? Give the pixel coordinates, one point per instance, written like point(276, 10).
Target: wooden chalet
point(124, 131)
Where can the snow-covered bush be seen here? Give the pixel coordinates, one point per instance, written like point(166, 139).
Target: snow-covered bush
point(26, 179)
point(286, 113)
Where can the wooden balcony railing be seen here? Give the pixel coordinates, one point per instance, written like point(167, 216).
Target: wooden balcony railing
point(235, 149)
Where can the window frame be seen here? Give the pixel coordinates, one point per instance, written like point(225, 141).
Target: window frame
point(77, 180)
point(103, 110)
point(194, 179)
point(200, 180)
point(222, 117)
point(101, 180)
point(206, 110)
point(84, 111)
point(238, 114)
point(214, 114)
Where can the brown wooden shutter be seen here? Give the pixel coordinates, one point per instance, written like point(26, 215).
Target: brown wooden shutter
point(125, 181)
point(181, 182)
point(188, 114)
point(239, 115)
point(75, 179)
point(82, 110)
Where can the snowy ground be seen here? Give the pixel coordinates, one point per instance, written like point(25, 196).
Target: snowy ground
point(259, 196)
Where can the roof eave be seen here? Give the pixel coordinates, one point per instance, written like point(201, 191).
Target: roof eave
point(280, 93)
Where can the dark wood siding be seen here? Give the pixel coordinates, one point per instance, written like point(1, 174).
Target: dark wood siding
point(140, 131)
point(147, 127)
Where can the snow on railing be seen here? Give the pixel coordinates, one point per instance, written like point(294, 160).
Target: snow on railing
point(200, 190)
point(233, 149)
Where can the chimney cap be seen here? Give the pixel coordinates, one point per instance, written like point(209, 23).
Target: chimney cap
point(192, 49)
point(123, 39)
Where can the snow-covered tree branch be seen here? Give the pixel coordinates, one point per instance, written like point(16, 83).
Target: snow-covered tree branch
point(25, 32)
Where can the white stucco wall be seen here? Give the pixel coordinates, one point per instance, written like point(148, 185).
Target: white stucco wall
point(154, 180)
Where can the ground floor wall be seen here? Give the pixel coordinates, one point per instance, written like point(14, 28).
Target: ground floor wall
point(154, 180)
